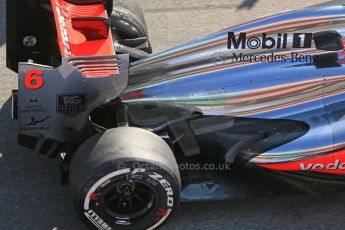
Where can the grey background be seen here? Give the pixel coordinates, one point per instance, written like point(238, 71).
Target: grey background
point(32, 198)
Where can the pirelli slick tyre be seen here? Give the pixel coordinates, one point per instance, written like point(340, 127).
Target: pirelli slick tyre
point(128, 22)
point(125, 178)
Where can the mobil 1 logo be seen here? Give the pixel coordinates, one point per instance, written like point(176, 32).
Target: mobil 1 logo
point(279, 41)
point(71, 104)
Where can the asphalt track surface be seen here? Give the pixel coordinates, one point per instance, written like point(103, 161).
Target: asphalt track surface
point(30, 193)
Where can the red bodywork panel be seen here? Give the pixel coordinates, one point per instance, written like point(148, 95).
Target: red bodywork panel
point(333, 163)
point(83, 31)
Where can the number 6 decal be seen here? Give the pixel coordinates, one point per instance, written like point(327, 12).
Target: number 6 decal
point(33, 79)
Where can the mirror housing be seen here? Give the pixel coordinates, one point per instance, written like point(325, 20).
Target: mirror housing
point(328, 40)
point(328, 60)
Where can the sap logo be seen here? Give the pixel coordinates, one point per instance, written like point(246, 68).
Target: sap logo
point(300, 40)
point(331, 166)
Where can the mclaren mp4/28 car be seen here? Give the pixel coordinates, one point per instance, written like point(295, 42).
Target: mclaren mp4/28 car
point(256, 109)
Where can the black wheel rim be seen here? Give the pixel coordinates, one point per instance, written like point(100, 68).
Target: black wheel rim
point(128, 199)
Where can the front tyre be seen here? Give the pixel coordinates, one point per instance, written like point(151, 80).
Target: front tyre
point(125, 178)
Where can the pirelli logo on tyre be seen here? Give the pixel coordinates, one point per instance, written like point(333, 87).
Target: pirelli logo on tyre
point(71, 104)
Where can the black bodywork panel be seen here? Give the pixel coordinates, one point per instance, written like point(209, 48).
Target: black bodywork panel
point(219, 137)
point(31, 18)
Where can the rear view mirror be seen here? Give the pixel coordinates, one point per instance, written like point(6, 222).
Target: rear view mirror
point(327, 60)
point(328, 40)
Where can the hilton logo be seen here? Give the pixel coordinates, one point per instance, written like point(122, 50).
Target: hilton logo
point(300, 40)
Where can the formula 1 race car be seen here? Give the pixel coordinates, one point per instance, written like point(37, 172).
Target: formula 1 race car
point(255, 110)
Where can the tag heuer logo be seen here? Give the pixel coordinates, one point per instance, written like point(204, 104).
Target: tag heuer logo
point(71, 104)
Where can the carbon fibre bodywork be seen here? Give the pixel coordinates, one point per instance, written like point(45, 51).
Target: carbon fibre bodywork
point(303, 100)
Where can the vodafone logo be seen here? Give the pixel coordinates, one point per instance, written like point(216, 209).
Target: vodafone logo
point(331, 166)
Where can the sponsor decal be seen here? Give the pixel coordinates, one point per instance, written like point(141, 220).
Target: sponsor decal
point(219, 58)
point(266, 42)
point(299, 40)
point(71, 104)
point(35, 124)
point(333, 163)
point(292, 57)
point(33, 100)
point(96, 220)
point(319, 166)
point(167, 186)
point(33, 107)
